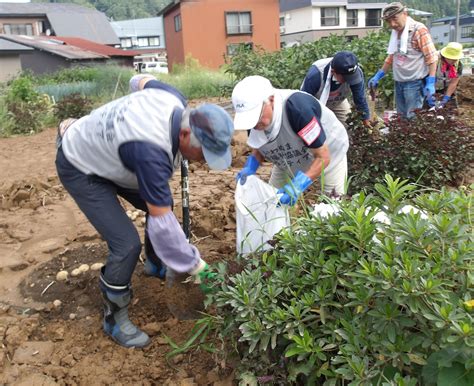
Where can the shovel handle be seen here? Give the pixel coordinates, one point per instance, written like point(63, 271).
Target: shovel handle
point(185, 196)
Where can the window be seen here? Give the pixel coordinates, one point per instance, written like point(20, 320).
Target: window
point(232, 49)
point(282, 21)
point(126, 43)
point(238, 23)
point(143, 42)
point(177, 23)
point(352, 18)
point(467, 32)
point(373, 17)
point(329, 17)
point(446, 34)
point(18, 29)
point(154, 41)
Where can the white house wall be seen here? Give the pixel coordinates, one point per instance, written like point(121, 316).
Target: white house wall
point(298, 20)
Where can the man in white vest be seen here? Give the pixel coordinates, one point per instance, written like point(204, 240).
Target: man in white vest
point(293, 130)
point(130, 148)
point(413, 58)
point(332, 80)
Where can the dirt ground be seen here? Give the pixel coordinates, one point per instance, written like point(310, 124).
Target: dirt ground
point(50, 330)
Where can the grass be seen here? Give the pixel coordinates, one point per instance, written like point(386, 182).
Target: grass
point(103, 84)
point(197, 83)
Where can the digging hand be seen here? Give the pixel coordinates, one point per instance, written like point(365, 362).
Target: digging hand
point(250, 168)
point(205, 278)
point(445, 100)
point(290, 192)
point(431, 101)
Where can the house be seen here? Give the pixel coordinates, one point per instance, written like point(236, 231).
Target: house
point(10, 62)
point(145, 35)
point(303, 21)
point(46, 54)
point(56, 19)
point(210, 29)
point(443, 30)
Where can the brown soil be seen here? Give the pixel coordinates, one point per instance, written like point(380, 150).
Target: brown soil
point(43, 232)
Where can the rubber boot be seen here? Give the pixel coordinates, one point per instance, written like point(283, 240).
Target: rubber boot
point(116, 321)
point(153, 264)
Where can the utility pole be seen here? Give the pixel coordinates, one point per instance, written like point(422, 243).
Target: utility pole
point(457, 37)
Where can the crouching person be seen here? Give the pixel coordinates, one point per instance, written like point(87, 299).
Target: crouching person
point(130, 148)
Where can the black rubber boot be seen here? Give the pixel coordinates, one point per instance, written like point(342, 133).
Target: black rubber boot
point(116, 321)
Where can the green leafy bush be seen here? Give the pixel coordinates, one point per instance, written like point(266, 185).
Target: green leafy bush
point(287, 68)
point(72, 106)
point(378, 293)
point(27, 109)
point(433, 149)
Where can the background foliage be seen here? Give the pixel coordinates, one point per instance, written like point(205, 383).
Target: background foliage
point(120, 9)
point(287, 68)
point(132, 9)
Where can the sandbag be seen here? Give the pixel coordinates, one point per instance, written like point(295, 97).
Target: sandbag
point(258, 216)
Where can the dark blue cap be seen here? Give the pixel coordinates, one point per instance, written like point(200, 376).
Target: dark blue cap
point(346, 64)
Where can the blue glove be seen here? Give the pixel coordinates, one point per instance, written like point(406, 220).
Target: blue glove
point(292, 191)
point(431, 101)
point(374, 81)
point(250, 168)
point(445, 100)
point(429, 89)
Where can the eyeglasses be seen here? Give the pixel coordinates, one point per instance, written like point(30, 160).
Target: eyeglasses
point(261, 113)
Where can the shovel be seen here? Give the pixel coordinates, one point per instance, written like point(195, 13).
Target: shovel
point(185, 300)
point(376, 122)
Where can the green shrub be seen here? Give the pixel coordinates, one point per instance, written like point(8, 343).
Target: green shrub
point(372, 295)
point(433, 149)
point(72, 106)
point(287, 68)
point(27, 109)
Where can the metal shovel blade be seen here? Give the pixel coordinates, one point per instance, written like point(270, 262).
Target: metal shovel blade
point(185, 300)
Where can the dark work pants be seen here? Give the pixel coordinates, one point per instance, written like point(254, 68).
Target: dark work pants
point(98, 200)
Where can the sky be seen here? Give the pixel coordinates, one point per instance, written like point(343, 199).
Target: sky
point(14, 1)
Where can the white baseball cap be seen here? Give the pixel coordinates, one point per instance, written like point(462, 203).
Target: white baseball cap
point(248, 97)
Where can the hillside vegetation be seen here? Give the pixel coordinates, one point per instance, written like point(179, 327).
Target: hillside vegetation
point(135, 9)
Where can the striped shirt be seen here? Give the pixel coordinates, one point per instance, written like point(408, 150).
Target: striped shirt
point(421, 41)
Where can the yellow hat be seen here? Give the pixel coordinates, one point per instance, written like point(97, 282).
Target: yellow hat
point(452, 51)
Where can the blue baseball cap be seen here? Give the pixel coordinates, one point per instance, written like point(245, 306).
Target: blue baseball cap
point(213, 128)
point(346, 64)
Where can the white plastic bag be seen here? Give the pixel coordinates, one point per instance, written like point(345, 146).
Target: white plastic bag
point(258, 216)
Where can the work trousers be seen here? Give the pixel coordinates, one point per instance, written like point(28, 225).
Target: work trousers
point(98, 200)
point(409, 97)
point(341, 110)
